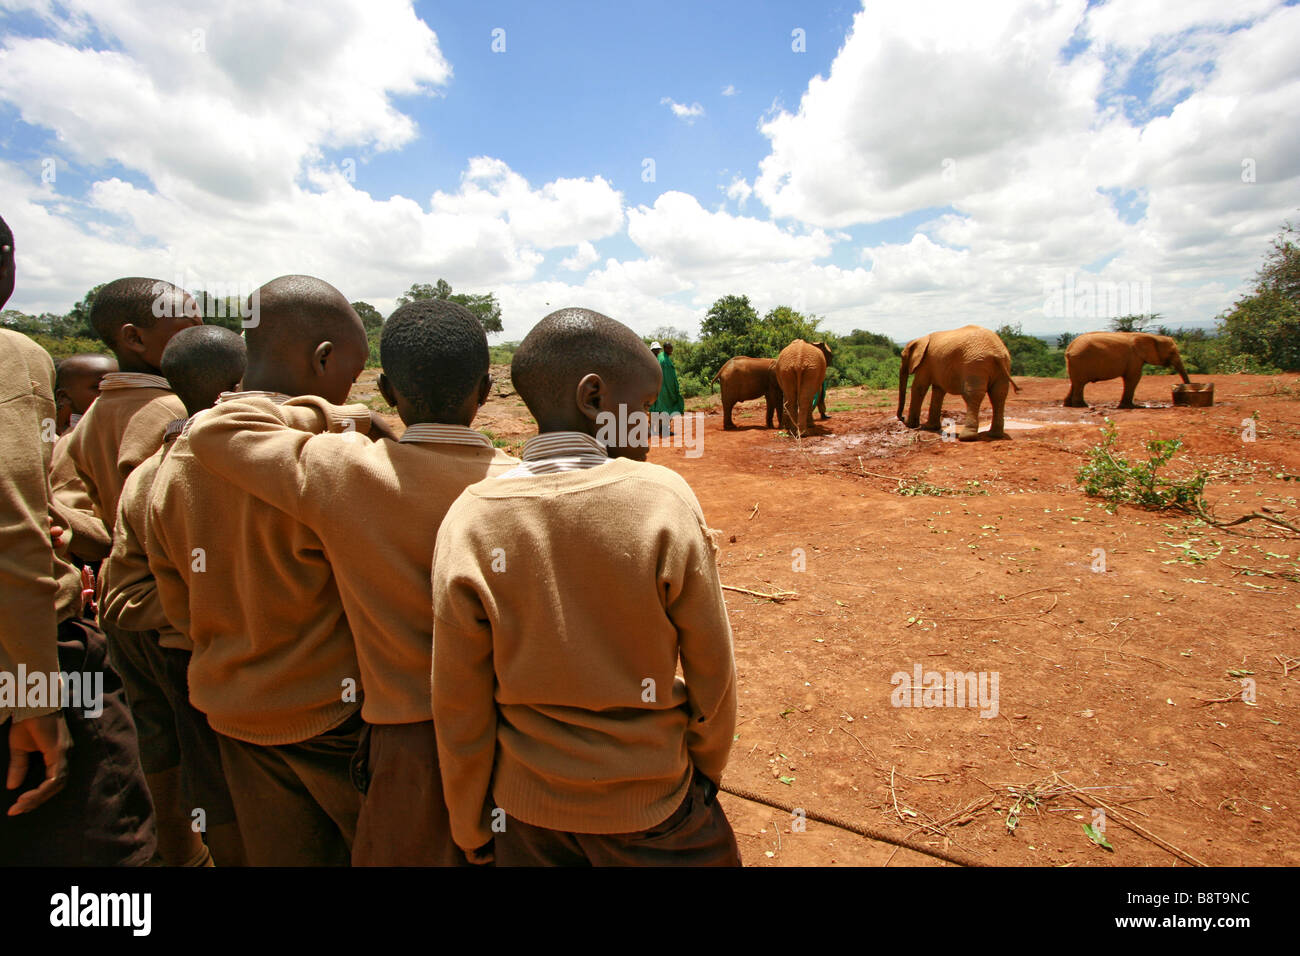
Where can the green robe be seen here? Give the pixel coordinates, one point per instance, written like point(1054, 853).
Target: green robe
point(670, 396)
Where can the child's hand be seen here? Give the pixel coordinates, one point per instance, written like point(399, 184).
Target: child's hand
point(49, 737)
point(482, 856)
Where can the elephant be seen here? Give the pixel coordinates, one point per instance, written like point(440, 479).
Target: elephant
point(1098, 356)
point(743, 378)
point(970, 361)
point(800, 372)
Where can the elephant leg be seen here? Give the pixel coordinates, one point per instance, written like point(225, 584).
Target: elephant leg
point(1075, 397)
point(919, 387)
point(974, 393)
point(935, 421)
point(726, 413)
point(1130, 387)
point(821, 404)
point(998, 396)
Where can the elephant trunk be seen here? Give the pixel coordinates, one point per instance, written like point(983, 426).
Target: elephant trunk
point(1177, 363)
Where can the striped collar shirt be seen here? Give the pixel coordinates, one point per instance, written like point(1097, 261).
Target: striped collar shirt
point(436, 433)
point(174, 430)
point(554, 452)
point(133, 380)
point(278, 397)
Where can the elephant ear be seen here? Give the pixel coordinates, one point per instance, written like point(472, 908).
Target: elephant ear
point(916, 353)
point(825, 349)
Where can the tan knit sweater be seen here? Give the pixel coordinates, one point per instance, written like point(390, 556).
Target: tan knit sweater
point(129, 599)
point(91, 539)
point(273, 659)
point(376, 507)
point(39, 588)
point(122, 427)
point(562, 605)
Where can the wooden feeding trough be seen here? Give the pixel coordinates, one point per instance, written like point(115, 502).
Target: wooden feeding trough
point(1194, 394)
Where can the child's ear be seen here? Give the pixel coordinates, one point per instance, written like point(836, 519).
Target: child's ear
point(61, 398)
point(590, 394)
point(320, 357)
point(386, 390)
point(130, 338)
point(484, 389)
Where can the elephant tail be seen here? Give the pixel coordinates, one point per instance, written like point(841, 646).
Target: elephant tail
point(1015, 386)
point(717, 375)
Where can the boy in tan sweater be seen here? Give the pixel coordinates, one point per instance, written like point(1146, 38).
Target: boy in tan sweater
point(178, 749)
point(564, 594)
point(73, 792)
point(125, 424)
point(76, 386)
point(273, 665)
point(345, 489)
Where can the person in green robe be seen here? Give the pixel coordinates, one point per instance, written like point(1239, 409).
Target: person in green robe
point(670, 400)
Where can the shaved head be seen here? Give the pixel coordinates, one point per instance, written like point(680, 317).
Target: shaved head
point(83, 365)
point(568, 345)
point(6, 262)
point(132, 300)
point(292, 309)
point(202, 362)
point(304, 339)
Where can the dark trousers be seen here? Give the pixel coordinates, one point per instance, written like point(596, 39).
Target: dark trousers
point(172, 732)
point(404, 820)
point(296, 804)
point(696, 834)
point(103, 816)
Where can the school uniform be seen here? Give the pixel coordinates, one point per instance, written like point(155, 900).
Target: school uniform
point(565, 592)
point(153, 656)
point(122, 427)
point(91, 539)
point(273, 664)
point(103, 815)
point(376, 507)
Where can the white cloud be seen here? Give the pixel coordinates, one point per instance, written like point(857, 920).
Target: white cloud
point(740, 191)
point(729, 90)
point(583, 256)
point(270, 85)
point(683, 112)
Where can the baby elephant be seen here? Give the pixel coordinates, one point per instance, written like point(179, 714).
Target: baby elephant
point(744, 378)
point(1098, 356)
point(971, 362)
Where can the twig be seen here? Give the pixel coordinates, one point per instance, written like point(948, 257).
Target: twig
point(752, 513)
point(1287, 664)
point(1132, 825)
point(776, 597)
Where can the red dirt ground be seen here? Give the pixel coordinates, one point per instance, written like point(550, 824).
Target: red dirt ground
point(1103, 677)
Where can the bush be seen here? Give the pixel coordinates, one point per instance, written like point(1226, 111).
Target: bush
point(1117, 480)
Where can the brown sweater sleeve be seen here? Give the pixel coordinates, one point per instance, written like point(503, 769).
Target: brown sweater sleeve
point(697, 609)
point(29, 585)
point(91, 540)
point(263, 448)
point(130, 593)
point(464, 684)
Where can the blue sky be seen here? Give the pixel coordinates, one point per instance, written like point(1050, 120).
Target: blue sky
point(917, 165)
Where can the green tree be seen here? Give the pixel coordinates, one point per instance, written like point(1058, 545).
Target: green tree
point(77, 322)
point(1266, 324)
point(485, 306)
point(1133, 323)
point(731, 315)
point(370, 316)
point(1064, 339)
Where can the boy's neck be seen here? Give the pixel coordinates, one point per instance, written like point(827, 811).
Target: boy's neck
point(131, 363)
point(460, 421)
